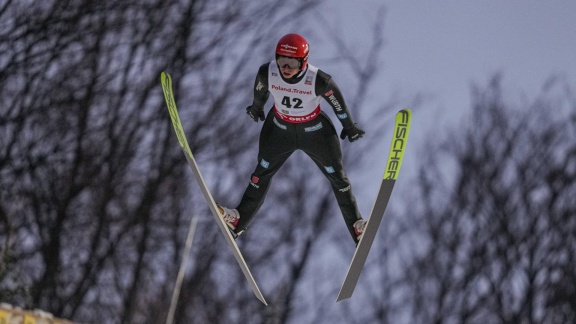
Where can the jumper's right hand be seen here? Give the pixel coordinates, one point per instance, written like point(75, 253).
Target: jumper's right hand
point(255, 113)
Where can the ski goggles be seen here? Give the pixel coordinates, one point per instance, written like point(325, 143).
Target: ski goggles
point(292, 63)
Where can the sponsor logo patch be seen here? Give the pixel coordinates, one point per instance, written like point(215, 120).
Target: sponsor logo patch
point(253, 182)
point(313, 128)
point(278, 124)
point(259, 86)
point(344, 189)
point(291, 90)
point(329, 169)
point(288, 46)
point(335, 102)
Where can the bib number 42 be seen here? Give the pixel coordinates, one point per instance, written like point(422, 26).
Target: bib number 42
point(292, 102)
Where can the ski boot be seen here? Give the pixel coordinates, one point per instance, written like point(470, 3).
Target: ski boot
point(359, 227)
point(231, 217)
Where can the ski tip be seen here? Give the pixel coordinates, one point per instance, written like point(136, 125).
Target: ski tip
point(261, 298)
point(259, 295)
point(404, 115)
point(164, 76)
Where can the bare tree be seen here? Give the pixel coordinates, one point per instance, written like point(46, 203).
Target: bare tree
point(495, 240)
point(95, 196)
point(92, 185)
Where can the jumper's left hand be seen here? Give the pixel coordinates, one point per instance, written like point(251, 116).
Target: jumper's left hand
point(353, 133)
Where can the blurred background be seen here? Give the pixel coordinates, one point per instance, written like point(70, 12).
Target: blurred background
point(96, 196)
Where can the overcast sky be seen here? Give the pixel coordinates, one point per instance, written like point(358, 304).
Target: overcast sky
point(440, 47)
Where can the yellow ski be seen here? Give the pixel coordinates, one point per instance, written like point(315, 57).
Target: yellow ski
point(401, 130)
point(171, 103)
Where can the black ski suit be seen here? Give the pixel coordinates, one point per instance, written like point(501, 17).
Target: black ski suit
point(314, 134)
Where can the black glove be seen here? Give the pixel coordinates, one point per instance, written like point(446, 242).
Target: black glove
point(353, 133)
point(255, 113)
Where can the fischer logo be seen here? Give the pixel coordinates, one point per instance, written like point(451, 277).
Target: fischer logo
point(397, 149)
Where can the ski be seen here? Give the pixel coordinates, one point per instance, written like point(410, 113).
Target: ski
point(401, 130)
point(166, 81)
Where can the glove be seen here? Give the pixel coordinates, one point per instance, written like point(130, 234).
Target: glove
point(353, 133)
point(255, 113)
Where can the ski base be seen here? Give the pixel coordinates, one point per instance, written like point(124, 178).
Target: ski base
point(229, 237)
point(401, 129)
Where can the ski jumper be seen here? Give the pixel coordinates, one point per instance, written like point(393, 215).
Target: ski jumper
point(296, 122)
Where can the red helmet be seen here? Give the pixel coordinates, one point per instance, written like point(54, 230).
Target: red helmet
point(293, 45)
